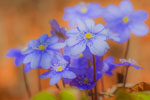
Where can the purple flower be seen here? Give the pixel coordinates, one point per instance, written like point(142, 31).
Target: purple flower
point(83, 81)
point(17, 54)
point(87, 36)
point(19, 57)
point(57, 30)
point(82, 11)
point(59, 69)
point(123, 19)
point(129, 62)
point(106, 66)
point(40, 52)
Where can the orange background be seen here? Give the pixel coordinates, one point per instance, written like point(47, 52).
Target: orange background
point(24, 20)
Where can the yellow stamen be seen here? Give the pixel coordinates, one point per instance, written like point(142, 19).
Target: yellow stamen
point(42, 47)
point(125, 19)
point(59, 68)
point(84, 10)
point(86, 80)
point(81, 55)
point(88, 35)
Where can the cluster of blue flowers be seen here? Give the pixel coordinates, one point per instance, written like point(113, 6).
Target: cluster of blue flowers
point(74, 64)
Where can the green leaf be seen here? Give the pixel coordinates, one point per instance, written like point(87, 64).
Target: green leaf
point(44, 96)
point(68, 94)
point(142, 96)
point(121, 94)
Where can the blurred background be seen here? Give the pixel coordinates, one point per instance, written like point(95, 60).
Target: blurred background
point(24, 20)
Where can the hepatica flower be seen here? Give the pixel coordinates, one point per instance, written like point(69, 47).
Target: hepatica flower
point(83, 81)
point(19, 57)
point(82, 11)
point(17, 54)
point(40, 52)
point(59, 69)
point(56, 29)
point(87, 35)
point(106, 66)
point(123, 19)
point(129, 62)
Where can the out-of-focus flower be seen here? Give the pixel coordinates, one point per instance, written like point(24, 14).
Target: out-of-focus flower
point(17, 54)
point(83, 81)
point(123, 19)
point(59, 69)
point(40, 52)
point(82, 11)
point(129, 62)
point(19, 57)
point(106, 66)
point(57, 30)
point(87, 35)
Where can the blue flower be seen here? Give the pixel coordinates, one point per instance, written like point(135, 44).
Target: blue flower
point(106, 66)
point(87, 35)
point(123, 19)
point(59, 69)
point(40, 52)
point(83, 81)
point(82, 11)
point(129, 62)
point(56, 29)
point(19, 57)
point(17, 54)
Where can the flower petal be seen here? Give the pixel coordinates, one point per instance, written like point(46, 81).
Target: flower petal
point(48, 74)
point(73, 40)
point(126, 6)
point(43, 37)
point(98, 47)
point(72, 32)
point(124, 36)
point(78, 48)
point(90, 24)
point(139, 16)
point(35, 60)
point(58, 45)
point(27, 68)
point(55, 79)
point(81, 25)
point(27, 59)
point(52, 40)
point(13, 53)
point(98, 28)
point(112, 12)
point(45, 60)
point(68, 74)
point(139, 29)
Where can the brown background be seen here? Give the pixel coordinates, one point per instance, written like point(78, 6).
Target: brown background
point(23, 20)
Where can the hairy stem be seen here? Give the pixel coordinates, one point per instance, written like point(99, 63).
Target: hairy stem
point(39, 82)
point(125, 76)
point(26, 84)
point(63, 83)
point(94, 72)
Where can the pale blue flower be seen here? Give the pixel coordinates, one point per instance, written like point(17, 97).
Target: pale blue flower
point(87, 35)
point(82, 11)
point(123, 19)
point(40, 52)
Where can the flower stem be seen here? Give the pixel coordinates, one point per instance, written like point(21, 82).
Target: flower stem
point(95, 88)
point(39, 82)
point(125, 76)
point(127, 49)
point(57, 86)
point(102, 86)
point(91, 92)
point(63, 83)
point(26, 84)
